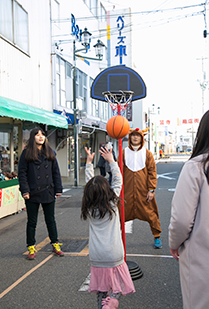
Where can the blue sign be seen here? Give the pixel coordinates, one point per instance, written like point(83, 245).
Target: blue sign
point(76, 31)
point(121, 47)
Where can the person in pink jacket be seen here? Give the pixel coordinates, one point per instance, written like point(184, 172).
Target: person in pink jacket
point(189, 223)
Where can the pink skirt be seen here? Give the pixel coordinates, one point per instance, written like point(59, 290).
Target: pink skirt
point(115, 279)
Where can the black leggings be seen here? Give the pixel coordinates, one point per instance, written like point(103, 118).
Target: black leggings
point(32, 212)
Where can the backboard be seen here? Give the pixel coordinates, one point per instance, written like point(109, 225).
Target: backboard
point(115, 79)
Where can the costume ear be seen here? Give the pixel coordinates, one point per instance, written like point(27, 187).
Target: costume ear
point(145, 131)
point(130, 130)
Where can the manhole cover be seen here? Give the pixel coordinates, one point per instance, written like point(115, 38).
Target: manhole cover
point(69, 245)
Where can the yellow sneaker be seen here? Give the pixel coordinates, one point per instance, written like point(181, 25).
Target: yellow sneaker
point(56, 249)
point(32, 252)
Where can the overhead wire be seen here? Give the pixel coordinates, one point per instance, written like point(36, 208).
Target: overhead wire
point(132, 13)
point(130, 27)
point(141, 25)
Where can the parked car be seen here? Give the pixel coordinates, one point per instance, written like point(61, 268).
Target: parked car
point(189, 150)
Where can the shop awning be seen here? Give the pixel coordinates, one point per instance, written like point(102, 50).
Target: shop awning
point(13, 109)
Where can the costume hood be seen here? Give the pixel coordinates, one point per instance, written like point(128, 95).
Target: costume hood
point(138, 131)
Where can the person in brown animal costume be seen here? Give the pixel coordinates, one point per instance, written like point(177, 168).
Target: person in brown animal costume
point(140, 182)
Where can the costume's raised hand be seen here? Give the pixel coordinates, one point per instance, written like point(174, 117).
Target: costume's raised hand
point(90, 156)
point(107, 154)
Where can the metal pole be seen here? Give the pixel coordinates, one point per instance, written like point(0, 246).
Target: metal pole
point(75, 120)
point(122, 210)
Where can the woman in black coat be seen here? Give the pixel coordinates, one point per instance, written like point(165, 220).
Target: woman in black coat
point(40, 183)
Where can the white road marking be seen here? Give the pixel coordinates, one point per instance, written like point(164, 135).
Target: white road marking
point(151, 255)
point(172, 190)
point(85, 286)
point(65, 190)
point(129, 227)
point(166, 177)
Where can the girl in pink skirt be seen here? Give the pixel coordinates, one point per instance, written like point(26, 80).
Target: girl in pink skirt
point(110, 277)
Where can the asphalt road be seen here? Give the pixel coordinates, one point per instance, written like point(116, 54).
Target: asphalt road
point(55, 282)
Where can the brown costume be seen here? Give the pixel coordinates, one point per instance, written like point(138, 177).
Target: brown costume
point(139, 178)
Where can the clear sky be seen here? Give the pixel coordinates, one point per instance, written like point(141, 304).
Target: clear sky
point(168, 47)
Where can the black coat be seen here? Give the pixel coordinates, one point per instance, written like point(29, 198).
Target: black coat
point(41, 179)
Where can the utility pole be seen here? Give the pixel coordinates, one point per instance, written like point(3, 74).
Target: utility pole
point(76, 180)
point(203, 84)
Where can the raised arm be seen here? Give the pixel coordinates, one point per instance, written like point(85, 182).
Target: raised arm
point(116, 174)
point(89, 171)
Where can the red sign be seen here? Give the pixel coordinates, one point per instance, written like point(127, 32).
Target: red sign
point(189, 121)
point(162, 122)
point(168, 122)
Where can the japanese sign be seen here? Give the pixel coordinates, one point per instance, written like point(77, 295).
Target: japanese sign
point(120, 37)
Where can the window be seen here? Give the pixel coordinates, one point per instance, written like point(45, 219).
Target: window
point(84, 92)
point(101, 110)
point(106, 110)
point(55, 10)
point(60, 82)
point(102, 13)
point(93, 7)
point(14, 23)
point(62, 77)
point(80, 83)
point(20, 27)
point(69, 86)
point(6, 19)
point(94, 103)
point(64, 85)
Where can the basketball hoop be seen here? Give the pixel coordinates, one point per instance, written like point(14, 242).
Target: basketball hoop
point(119, 97)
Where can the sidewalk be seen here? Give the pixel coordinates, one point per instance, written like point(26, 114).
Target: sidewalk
point(69, 181)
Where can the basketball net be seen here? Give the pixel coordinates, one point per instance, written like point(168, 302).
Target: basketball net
point(120, 97)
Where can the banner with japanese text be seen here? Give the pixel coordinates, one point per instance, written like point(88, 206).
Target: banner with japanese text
point(120, 37)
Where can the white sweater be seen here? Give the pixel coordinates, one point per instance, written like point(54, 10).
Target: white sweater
point(105, 241)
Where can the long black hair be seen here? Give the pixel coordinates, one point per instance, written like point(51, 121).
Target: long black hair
point(97, 198)
point(32, 151)
point(201, 144)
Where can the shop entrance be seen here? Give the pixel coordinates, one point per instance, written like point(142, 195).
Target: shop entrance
point(83, 142)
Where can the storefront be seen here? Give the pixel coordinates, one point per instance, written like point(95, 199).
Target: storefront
point(16, 121)
point(88, 137)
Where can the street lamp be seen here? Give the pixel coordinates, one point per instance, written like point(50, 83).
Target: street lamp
point(99, 49)
point(85, 41)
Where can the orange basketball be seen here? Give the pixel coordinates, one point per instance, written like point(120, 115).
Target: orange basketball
point(117, 127)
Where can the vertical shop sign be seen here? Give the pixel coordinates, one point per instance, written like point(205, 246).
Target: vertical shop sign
point(129, 112)
point(121, 46)
point(119, 37)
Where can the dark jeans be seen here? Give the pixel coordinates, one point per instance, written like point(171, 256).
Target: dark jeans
point(32, 212)
point(102, 171)
point(110, 178)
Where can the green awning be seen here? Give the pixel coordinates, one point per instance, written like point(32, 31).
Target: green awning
point(13, 109)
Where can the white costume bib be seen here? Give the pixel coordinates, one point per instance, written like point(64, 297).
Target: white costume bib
point(135, 160)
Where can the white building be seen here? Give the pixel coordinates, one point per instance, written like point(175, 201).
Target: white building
point(36, 69)
point(25, 75)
